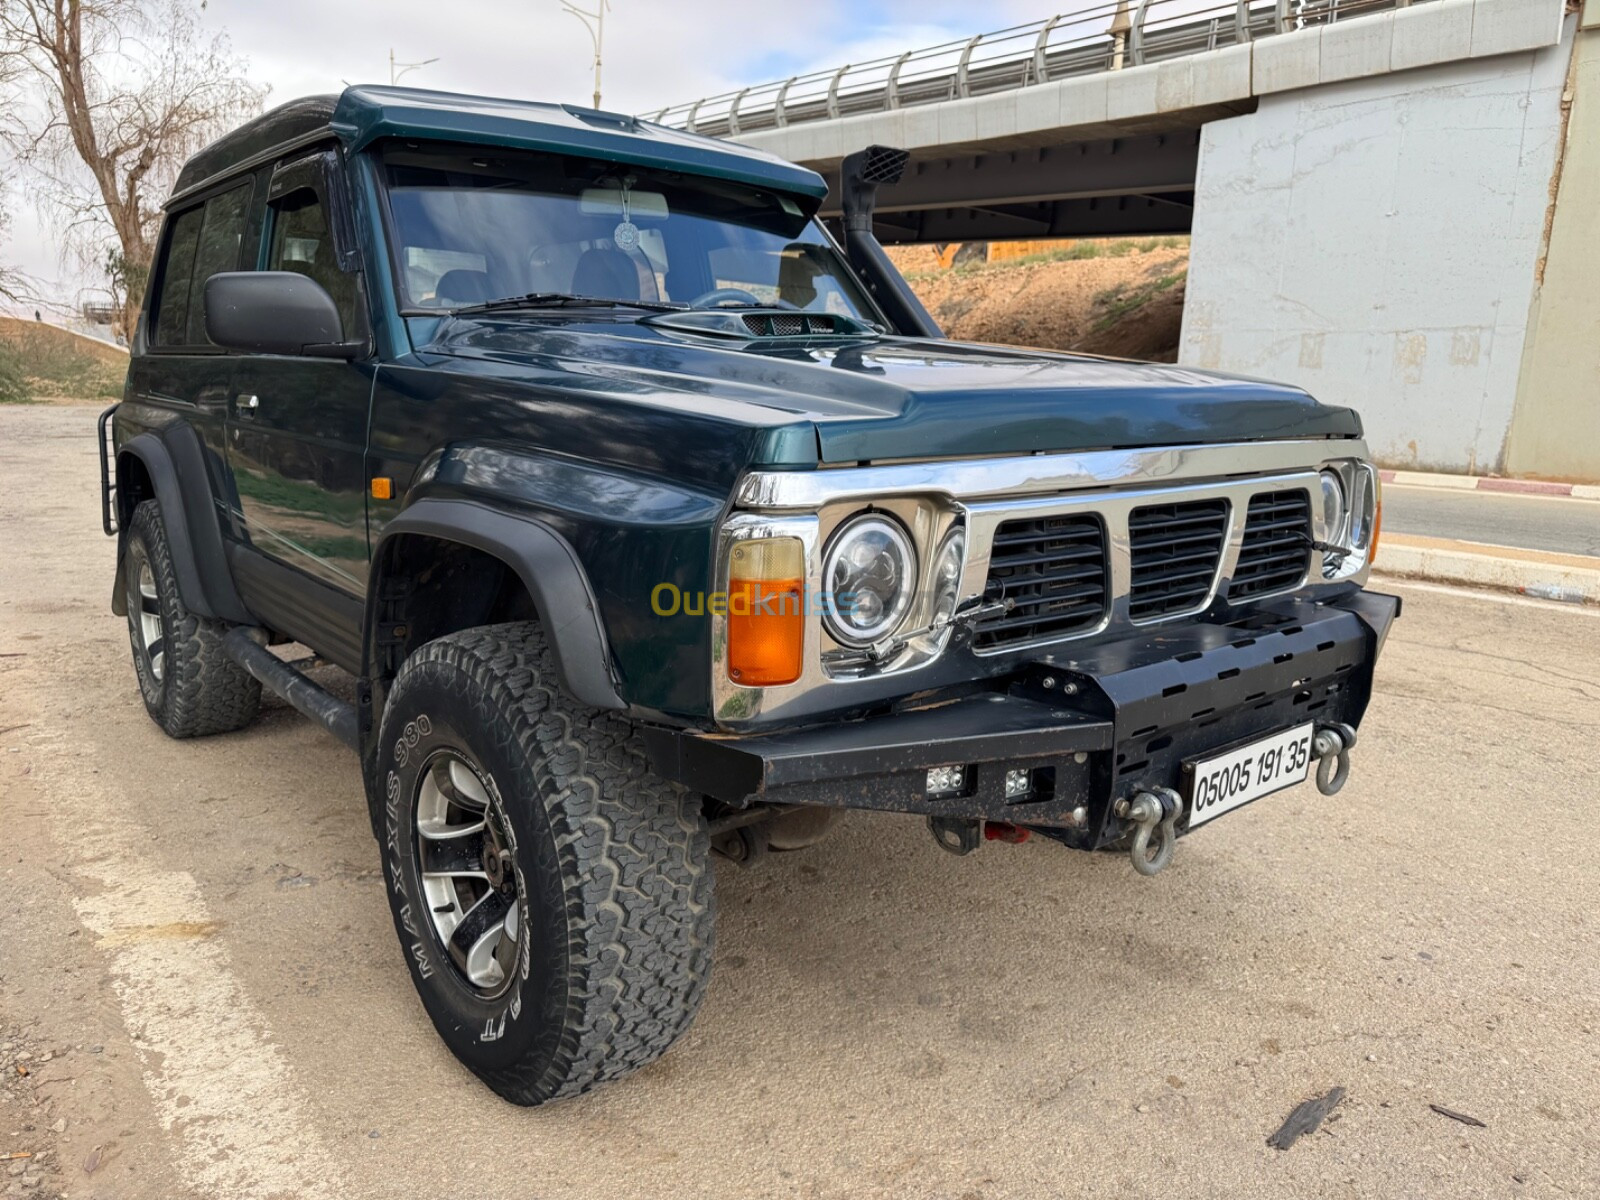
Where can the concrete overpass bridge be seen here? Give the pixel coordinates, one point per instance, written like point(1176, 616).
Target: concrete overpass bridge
point(1395, 203)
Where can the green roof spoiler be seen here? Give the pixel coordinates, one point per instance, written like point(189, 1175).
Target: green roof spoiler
point(364, 114)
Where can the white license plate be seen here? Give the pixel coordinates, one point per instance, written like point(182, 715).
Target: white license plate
point(1222, 784)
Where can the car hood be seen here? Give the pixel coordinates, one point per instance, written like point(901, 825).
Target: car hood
point(903, 398)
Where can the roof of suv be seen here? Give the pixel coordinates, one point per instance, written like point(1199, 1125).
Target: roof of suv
point(361, 115)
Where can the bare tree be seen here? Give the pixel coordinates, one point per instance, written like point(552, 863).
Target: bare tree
point(103, 102)
point(9, 284)
point(15, 287)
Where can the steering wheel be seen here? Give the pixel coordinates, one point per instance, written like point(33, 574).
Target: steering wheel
point(716, 297)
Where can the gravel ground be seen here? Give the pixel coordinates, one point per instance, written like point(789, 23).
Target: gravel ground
point(197, 934)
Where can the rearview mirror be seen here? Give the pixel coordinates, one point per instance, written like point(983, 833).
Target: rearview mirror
point(275, 312)
point(607, 202)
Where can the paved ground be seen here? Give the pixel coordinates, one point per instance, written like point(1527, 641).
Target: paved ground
point(196, 934)
point(1565, 526)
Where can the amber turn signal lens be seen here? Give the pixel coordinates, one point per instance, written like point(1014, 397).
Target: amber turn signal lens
point(382, 488)
point(766, 619)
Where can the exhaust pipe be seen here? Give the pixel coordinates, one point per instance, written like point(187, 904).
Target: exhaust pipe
point(860, 175)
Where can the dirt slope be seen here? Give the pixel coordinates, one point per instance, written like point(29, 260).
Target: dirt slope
point(42, 362)
point(1125, 300)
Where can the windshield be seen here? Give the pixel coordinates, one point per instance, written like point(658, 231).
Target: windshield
point(469, 228)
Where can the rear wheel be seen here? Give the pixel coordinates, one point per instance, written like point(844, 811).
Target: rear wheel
point(190, 686)
point(553, 896)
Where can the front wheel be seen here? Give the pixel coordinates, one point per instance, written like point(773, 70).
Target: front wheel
point(553, 896)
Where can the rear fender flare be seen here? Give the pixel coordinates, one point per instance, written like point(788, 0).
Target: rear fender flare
point(175, 462)
point(549, 569)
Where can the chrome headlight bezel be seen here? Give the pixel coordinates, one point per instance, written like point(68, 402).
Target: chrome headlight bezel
point(1351, 533)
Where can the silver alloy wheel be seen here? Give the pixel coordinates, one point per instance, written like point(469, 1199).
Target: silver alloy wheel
point(144, 613)
point(468, 874)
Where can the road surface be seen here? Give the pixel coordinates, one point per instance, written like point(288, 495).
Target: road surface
point(196, 936)
point(1558, 524)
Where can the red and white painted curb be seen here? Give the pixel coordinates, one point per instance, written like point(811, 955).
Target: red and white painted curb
point(1485, 483)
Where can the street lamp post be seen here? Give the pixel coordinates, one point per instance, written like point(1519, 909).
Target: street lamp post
point(595, 23)
point(397, 70)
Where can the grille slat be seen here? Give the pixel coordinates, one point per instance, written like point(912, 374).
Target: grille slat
point(1087, 555)
point(1054, 572)
point(1276, 548)
point(1174, 551)
point(1055, 544)
point(1152, 579)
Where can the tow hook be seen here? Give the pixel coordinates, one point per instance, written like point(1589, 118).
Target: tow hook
point(1152, 809)
point(1331, 745)
point(959, 835)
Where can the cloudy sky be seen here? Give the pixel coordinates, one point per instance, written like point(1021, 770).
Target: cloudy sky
point(657, 52)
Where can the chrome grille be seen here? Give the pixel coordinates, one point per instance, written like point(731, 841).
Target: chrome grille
point(1053, 571)
point(1277, 544)
point(1174, 552)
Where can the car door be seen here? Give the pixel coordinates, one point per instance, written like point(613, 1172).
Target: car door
point(178, 381)
point(298, 427)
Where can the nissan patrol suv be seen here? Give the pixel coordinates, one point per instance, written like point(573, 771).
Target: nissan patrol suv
point(650, 516)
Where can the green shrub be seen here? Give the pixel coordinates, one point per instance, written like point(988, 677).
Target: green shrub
point(14, 387)
point(1119, 301)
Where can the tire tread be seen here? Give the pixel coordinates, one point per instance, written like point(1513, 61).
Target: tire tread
point(205, 691)
point(634, 859)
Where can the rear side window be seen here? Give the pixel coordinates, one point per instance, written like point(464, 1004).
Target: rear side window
point(177, 273)
point(203, 242)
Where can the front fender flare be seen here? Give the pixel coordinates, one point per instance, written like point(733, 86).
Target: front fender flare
point(548, 567)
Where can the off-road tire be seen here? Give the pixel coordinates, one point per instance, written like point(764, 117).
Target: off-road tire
point(199, 690)
point(611, 871)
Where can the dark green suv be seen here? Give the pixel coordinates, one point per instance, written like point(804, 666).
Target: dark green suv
point(651, 518)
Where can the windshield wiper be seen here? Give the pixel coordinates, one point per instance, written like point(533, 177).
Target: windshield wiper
point(537, 300)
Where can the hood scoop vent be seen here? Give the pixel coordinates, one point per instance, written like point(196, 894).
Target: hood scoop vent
point(766, 325)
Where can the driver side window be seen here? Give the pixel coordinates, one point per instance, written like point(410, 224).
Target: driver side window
point(302, 241)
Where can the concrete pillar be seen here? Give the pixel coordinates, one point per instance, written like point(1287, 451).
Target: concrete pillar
point(1376, 241)
point(1555, 430)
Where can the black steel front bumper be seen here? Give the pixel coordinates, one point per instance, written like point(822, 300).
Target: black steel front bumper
point(1091, 723)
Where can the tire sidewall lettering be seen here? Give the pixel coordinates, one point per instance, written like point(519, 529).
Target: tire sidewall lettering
point(411, 748)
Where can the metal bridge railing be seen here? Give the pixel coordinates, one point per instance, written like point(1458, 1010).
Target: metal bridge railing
point(1102, 35)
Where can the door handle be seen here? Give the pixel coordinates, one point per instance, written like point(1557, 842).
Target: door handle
point(247, 405)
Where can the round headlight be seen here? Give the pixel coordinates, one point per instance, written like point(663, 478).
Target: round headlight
point(1328, 521)
point(947, 575)
point(870, 574)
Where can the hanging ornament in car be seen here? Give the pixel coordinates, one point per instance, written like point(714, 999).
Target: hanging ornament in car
point(626, 235)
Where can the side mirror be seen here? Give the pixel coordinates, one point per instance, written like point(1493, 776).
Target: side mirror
point(275, 312)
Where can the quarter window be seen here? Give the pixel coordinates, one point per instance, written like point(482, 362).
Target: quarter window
point(177, 273)
point(203, 241)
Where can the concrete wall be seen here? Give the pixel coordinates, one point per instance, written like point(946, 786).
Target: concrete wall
point(1376, 241)
point(1555, 431)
